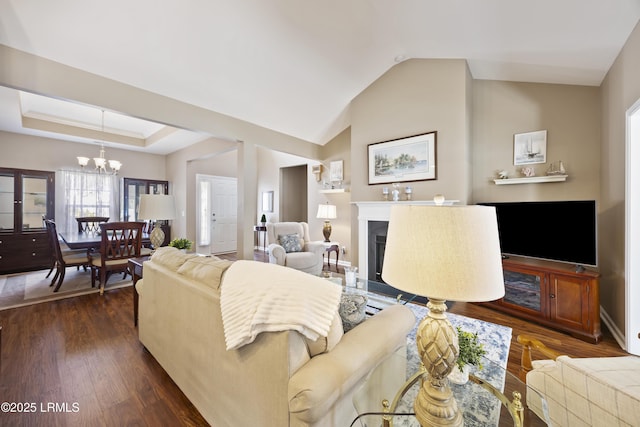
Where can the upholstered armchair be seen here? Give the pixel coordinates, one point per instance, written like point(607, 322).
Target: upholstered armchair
point(290, 245)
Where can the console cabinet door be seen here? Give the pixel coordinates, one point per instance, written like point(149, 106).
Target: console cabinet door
point(570, 302)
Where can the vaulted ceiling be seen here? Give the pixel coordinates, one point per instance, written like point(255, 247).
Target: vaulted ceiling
point(294, 66)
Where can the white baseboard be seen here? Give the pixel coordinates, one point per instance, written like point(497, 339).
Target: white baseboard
point(615, 331)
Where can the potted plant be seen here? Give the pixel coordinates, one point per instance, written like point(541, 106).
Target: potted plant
point(471, 352)
point(263, 219)
point(180, 243)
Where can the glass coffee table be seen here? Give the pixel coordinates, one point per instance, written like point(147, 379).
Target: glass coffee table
point(491, 397)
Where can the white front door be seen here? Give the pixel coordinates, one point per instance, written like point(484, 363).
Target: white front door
point(217, 214)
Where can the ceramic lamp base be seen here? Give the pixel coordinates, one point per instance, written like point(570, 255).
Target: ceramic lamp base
point(437, 343)
point(157, 237)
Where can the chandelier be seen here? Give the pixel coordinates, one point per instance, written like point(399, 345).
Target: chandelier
point(101, 161)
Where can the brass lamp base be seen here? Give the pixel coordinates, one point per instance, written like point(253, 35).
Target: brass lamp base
point(326, 231)
point(437, 343)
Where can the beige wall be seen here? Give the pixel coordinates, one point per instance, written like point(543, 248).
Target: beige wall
point(182, 167)
point(269, 165)
point(620, 90)
point(339, 148)
point(32, 152)
point(569, 114)
point(414, 97)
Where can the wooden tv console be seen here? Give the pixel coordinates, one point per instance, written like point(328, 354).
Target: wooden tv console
point(552, 294)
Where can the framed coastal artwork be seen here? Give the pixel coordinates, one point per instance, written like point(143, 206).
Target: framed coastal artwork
point(406, 159)
point(335, 171)
point(530, 148)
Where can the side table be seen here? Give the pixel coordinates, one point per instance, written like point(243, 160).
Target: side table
point(135, 268)
point(261, 229)
point(331, 247)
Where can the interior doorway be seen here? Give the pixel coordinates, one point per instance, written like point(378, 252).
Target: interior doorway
point(293, 194)
point(216, 221)
point(632, 230)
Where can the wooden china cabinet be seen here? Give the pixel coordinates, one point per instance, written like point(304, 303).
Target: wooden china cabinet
point(26, 198)
point(133, 188)
point(553, 294)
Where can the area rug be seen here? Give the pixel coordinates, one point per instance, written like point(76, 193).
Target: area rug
point(18, 290)
point(479, 408)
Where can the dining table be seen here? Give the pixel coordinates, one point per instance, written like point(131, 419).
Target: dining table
point(76, 240)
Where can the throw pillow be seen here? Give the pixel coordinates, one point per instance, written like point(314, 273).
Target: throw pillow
point(352, 310)
point(290, 242)
point(207, 270)
point(170, 257)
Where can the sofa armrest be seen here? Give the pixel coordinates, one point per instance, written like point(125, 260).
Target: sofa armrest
point(526, 360)
point(315, 247)
point(277, 254)
point(317, 385)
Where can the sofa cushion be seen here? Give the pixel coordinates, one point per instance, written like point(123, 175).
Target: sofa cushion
point(170, 257)
point(207, 270)
point(290, 242)
point(326, 344)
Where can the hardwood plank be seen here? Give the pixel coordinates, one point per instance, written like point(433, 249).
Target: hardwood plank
point(86, 350)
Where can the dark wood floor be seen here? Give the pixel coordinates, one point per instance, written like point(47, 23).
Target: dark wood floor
point(79, 362)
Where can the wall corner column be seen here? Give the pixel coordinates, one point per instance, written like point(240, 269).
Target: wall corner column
point(247, 199)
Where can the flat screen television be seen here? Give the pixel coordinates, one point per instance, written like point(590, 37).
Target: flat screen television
point(564, 231)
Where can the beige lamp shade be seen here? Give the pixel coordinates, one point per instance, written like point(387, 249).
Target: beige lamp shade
point(444, 252)
point(327, 211)
point(157, 207)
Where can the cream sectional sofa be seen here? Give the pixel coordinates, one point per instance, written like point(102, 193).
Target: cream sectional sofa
point(281, 378)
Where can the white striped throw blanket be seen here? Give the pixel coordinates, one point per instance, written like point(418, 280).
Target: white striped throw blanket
point(256, 297)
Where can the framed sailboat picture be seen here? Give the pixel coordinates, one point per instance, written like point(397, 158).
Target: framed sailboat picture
point(530, 148)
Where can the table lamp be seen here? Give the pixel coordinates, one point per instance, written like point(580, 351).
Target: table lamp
point(326, 212)
point(157, 207)
point(442, 253)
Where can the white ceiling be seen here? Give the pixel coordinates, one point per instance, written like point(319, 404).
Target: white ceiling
point(294, 65)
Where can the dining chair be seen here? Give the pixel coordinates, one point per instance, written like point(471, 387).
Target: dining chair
point(90, 224)
point(63, 247)
point(119, 242)
point(147, 229)
point(63, 259)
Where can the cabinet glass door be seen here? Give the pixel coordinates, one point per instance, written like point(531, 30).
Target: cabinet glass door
point(133, 191)
point(34, 202)
point(523, 290)
point(133, 188)
point(7, 218)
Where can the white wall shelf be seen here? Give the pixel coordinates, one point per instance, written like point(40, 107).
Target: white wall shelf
point(334, 190)
point(532, 180)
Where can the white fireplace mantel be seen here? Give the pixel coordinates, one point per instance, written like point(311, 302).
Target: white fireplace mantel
point(379, 211)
